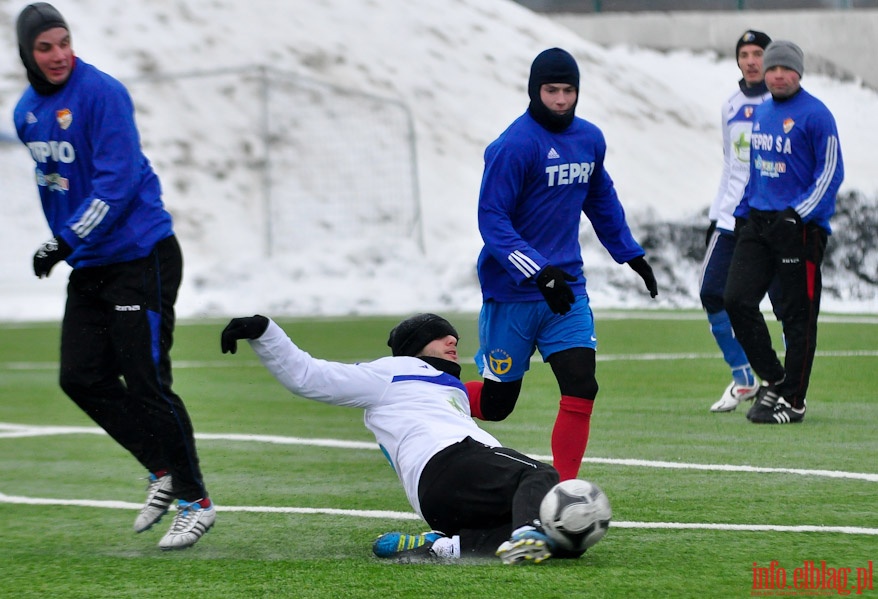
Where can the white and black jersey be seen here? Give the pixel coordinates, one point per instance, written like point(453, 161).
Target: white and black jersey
point(414, 410)
point(456, 476)
point(737, 125)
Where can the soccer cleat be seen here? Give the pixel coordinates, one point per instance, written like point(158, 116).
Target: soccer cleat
point(763, 404)
point(783, 413)
point(526, 545)
point(159, 497)
point(190, 523)
point(733, 395)
point(398, 544)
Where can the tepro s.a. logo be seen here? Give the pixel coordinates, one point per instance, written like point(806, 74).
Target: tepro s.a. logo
point(568, 174)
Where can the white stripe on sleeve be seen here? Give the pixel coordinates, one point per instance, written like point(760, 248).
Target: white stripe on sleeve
point(527, 266)
point(91, 218)
point(830, 164)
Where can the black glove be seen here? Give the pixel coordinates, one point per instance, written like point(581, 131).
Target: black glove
point(552, 283)
point(642, 267)
point(251, 327)
point(709, 233)
point(787, 225)
point(50, 254)
point(739, 224)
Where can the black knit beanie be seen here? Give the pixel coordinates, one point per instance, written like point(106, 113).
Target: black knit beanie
point(411, 335)
point(33, 20)
point(552, 66)
point(751, 36)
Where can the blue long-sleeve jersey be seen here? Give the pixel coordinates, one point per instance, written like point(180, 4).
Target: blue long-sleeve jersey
point(535, 187)
point(97, 189)
point(795, 160)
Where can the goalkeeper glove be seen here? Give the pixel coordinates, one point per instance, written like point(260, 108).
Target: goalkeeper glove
point(642, 267)
point(251, 327)
point(49, 254)
point(552, 283)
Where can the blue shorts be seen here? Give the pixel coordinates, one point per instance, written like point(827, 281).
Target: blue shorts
point(509, 333)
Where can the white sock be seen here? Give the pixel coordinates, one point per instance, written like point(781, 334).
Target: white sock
point(524, 528)
point(447, 547)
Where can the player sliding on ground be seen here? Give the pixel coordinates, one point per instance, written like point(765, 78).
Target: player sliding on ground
point(483, 497)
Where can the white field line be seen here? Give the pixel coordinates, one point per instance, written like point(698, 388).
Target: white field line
point(699, 315)
point(649, 357)
point(124, 505)
point(10, 431)
point(390, 515)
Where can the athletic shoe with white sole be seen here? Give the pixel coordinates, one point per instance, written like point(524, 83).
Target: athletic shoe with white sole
point(527, 544)
point(399, 544)
point(159, 497)
point(191, 521)
point(764, 402)
point(783, 413)
point(733, 395)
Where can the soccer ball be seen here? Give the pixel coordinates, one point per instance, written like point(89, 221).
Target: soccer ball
point(575, 514)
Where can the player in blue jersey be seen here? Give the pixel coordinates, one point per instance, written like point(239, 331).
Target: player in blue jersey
point(795, 171)
point(737, 119)
point(540, 176)
point(103, 204)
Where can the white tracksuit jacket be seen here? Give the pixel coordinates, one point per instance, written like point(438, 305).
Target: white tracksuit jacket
point(413, 409)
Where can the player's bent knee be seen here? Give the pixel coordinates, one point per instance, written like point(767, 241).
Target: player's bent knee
point(575, 371)
point(712, 302)
point(582, 384)
point(73, 386)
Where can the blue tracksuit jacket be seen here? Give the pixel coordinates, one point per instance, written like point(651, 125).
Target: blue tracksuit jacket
point(98, 190)
point(795, 160)
point(535, 187)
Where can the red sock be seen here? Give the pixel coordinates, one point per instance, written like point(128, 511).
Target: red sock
point(570, 435)
point(474, 390)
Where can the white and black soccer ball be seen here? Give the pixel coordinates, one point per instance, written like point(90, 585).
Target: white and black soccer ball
point(575, 514)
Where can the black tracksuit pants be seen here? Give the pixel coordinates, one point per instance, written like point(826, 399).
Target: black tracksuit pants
point(116, 338)
point(482, 493)
point(770, 245)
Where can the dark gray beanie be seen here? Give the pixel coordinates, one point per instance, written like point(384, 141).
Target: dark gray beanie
point(411, 335)
point(33, 20)
point(783, 53)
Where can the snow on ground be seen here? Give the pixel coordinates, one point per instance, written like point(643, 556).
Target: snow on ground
point(460, 67)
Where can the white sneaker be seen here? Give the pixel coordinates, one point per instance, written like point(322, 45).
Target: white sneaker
point(159, 497)
point(190, 524)
point(733, 395)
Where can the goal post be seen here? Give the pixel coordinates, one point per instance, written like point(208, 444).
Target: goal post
point(286, 161)
point(340, 164)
